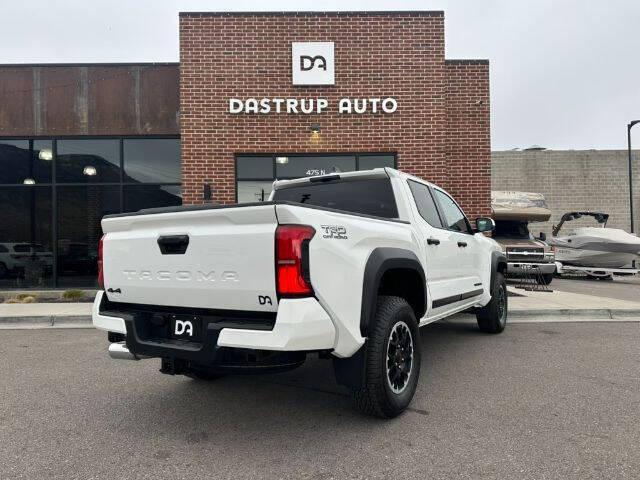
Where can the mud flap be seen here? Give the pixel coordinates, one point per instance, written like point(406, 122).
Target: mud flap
point(350, 372)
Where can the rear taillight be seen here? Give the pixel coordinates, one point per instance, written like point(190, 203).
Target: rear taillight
point(100, 270)
point(292, 260)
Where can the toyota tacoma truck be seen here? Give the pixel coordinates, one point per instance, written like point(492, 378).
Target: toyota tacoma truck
point(347, 266)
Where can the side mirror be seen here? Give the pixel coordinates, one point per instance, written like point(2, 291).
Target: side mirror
point(485, 224)
point(543, 236)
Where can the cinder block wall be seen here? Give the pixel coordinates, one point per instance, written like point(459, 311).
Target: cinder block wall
point(572, 180)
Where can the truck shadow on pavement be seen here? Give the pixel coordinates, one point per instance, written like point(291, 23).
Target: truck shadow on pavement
point(275, 405)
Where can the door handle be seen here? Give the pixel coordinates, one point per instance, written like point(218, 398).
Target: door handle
point(433, 241)
point(173, 244)
point(462, 244)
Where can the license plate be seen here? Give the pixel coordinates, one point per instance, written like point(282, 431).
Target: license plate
point(186, 327)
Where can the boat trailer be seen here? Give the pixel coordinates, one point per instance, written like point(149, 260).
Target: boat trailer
point(597, 272)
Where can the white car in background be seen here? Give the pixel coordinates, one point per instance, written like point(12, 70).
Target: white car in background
point(16, 256)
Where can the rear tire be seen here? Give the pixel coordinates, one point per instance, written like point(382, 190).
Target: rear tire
point(392, 360)
point(492, 318)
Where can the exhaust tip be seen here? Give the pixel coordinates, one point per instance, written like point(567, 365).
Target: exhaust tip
point(119, 351)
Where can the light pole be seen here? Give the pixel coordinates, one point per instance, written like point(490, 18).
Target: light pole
point(629, 127)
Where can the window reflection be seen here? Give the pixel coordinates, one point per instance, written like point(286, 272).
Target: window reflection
point(254, 168)
point(369, 162)
point(26, 253)
point(91, 160)
point(21, 165)
point(27, 215)
point(250, 192)
point(80, 210)
point(152, 160)
point(137, 197)
point(454, 218)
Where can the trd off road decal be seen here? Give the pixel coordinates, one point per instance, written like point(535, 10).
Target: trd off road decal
point(334, 231)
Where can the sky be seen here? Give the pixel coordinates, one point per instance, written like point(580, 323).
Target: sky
point(565, 74)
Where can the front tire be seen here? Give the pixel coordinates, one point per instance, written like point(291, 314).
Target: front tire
point(547, 278)
point(492, 318)
point(392, 360)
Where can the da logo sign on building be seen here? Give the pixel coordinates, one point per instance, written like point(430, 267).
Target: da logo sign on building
point(312, 63)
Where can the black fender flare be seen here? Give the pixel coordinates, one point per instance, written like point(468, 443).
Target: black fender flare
point(497, 259)
point(381, 260)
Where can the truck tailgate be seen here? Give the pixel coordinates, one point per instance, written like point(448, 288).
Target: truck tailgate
point(218, 258)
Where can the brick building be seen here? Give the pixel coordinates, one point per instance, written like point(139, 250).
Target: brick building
point(256, 96)
point(439, 130)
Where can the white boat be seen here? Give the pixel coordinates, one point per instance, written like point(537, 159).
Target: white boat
point(597, 247)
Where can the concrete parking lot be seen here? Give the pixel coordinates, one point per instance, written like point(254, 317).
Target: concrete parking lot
point(539, 401)
point(621, 288)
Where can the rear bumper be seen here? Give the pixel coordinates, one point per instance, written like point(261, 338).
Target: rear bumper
point(521, 268)
point(105, 322)
point(300, 325)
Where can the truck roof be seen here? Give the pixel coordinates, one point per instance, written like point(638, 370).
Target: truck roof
point(356, 175)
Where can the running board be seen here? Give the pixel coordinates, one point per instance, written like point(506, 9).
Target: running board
point(441, 302)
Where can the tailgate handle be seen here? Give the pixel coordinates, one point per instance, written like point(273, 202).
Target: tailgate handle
point(173, 244)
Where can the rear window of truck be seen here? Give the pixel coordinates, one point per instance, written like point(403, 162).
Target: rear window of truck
point(373, 196)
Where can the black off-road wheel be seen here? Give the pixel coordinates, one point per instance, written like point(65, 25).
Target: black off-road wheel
point(492, 318)
point(392, 360)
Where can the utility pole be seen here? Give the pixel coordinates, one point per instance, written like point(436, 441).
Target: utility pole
point(629, 127)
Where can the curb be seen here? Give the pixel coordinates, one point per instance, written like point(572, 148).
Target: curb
point(46, 321)
point(586, 313)
point(515, 316)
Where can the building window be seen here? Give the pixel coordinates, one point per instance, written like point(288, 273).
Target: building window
point(152, 160)
point(310, 165)
point(25, 161)
point(368, 162)
point(251, 191)
point(255, 173)
point(137, 197)
point(80, 209)
point(255, 167)
point(50, 225)
point(26, 243)
point(88, 160)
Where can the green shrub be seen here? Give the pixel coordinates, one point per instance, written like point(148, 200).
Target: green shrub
point(73, 295)
point(22, 298)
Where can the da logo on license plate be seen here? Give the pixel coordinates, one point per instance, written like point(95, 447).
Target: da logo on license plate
point(183, 327)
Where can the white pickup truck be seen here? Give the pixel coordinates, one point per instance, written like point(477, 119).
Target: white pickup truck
point(346, 265)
